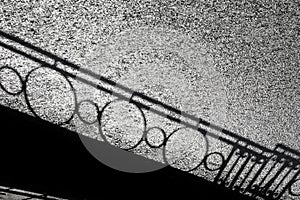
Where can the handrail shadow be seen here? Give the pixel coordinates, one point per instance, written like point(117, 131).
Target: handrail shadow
point(50, 160)
point(249, 168)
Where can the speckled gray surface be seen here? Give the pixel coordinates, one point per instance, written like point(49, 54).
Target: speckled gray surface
point(253, 51)
point(234, 63)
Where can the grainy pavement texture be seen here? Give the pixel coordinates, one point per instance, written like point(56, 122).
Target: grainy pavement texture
point(234, 63)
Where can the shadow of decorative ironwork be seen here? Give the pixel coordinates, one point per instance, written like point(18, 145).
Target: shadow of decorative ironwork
point(247, 167)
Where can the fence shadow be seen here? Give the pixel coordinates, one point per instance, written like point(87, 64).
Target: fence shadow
point(45, 158)
point(248, 168)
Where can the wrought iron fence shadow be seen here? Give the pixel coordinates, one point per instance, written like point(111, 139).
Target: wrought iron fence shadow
point(246, 166)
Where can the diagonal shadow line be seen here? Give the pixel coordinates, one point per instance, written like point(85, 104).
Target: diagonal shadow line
point(25, 194)
point(130, 91)
point(72, 158)
point(133, 93)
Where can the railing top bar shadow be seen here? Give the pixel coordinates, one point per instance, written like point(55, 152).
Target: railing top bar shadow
point(26, 194)
point(38, 49)
point(133, 94)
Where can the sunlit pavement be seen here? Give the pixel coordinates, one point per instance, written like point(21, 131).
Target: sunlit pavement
point(247, 77)
point(237, 69)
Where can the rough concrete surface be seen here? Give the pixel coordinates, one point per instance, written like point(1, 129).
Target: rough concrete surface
point(234, 63)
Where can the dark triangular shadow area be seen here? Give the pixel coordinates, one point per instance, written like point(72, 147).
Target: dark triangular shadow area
point(41, 157)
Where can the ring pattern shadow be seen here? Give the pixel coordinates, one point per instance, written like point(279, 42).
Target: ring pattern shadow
point(249, 168)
